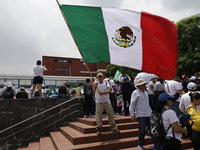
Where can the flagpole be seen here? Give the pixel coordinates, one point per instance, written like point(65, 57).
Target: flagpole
point(74, 38)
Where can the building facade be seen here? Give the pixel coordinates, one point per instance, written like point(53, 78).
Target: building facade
point(62, 66)
point(60, 70)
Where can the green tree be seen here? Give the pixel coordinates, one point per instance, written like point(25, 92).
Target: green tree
point(188, 59)
point(111, 69)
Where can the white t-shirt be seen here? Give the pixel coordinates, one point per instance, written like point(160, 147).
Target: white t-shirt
point(173, 87)
point(102, 88)
point(149, 92)
point(169, 117)
point(159, 87)
point(38, 70)
point(112, 83)
point(152, 84)
point(184, 102)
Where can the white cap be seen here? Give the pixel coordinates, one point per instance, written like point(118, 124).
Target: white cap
point(9, 84)
point(191, 86)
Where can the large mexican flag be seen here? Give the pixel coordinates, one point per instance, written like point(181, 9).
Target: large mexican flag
point(127, 38)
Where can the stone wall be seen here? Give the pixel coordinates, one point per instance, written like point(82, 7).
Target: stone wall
point(14, 111)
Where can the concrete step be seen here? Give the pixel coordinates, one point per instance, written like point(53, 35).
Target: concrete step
point(34, 146)
point(46, 144)
point(186, 143)
point(77, 137)
point(60, 142)
point(82, 135)
point(92, 121)
point(84, 128)
point(25, 148)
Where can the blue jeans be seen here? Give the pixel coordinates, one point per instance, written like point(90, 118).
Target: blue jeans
point(143, 122)
point(152, 102)
point(175, 107)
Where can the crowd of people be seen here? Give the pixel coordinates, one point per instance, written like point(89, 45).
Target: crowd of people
point(142, 95)
point(136, 97)
point(38, 89)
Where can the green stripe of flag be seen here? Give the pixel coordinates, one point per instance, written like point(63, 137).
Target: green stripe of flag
point(87, 26)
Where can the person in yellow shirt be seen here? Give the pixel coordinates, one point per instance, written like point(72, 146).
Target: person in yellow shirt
point(195, 114)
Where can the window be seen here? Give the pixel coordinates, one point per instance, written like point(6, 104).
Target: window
point(2, 83)
point(2, 80)
point(72, 83)
point(50, 83)
point(14, 82)
point(25, 83)
point(62, 69)
point(81, 82)
point(60, 82)
point(62, 61)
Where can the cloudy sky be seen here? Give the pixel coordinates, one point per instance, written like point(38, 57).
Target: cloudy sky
point(30, 29)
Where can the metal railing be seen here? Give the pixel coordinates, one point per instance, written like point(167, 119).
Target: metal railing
point(26, 120)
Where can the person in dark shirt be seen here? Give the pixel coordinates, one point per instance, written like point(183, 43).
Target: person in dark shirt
point(22, 94)
point(63, 91)
point(126, 92)
point(132, 85)
point(89, 93)
point(185, 83)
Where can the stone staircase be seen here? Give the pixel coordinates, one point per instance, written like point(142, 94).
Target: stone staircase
point(81, 135)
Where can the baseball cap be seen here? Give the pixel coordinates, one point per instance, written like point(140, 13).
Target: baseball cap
point(164, 96)
point(125, 78)
point(99, 74)
point(191, 86)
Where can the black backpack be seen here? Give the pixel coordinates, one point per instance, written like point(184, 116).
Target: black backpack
point(88, 90)
point(156, 125)
point(8, 94)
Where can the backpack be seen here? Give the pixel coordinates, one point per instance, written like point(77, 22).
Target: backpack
point(98, 83)
point(156, 125)
point(188, 125)
point(88, 90)
point(8, 94)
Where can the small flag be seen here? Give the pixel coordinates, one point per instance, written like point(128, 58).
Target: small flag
point(117, 74)
point(119, 100)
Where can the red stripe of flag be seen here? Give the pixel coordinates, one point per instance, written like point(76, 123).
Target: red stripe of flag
point(159, 38)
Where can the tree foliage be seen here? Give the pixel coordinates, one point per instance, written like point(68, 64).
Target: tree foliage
point(188, 59)
point(111, 69)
